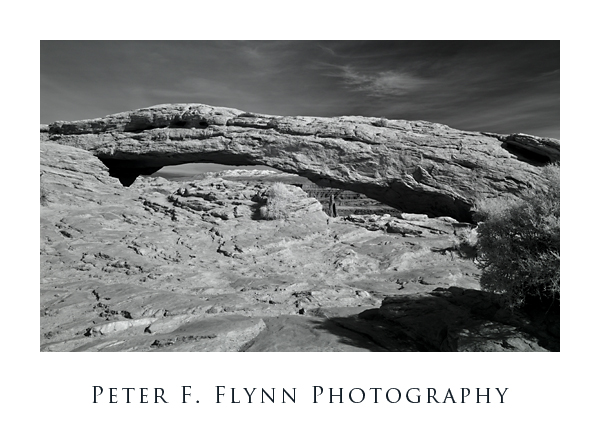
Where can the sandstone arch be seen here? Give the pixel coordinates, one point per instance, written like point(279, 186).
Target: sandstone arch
point(415, 166)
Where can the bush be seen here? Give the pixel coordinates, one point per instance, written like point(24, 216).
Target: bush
point(278, 200)
point(519, 244)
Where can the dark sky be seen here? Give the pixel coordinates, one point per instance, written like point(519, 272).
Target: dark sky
point(502, 86)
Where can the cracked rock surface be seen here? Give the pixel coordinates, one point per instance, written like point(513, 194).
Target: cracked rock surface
point(171, 266)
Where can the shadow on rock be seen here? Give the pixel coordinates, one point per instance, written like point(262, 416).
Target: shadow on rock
point(452, 320)
point(309, 334)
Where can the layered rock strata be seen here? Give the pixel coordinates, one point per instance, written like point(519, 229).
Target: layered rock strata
point(415, 166)
point(188, 266)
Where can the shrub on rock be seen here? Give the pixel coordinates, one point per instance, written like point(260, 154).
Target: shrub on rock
point(279, 201)
point(519, 244)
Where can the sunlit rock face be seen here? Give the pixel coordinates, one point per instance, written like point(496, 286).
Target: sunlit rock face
point(415, 166)
point(192, 266)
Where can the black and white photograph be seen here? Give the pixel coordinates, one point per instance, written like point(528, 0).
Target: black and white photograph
point(300, 196)
point(315, 215)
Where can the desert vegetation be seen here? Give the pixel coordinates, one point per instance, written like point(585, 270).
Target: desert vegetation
point(519, 244)
point(277, 202)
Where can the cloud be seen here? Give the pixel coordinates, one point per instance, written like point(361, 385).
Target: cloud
point(496, 86)
point(387, 83)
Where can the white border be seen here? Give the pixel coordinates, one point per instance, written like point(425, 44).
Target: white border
point(546, 391)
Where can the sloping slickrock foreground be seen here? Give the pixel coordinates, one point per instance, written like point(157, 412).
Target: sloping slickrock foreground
point(415, 166)
point(166, 266)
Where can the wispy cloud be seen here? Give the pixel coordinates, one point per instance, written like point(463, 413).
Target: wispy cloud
point(501, 86)
point(387, 83)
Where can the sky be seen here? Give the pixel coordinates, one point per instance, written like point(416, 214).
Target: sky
point(489, 86)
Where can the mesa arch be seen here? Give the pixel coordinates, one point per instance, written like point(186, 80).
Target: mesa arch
point(415, 166)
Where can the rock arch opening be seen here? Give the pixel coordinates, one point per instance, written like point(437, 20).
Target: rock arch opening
point(190, 171)
point(347, 202)
point(351, 198)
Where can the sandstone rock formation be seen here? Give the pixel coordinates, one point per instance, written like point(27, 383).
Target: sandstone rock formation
point(191, 266)
point(186, 266)
point(415, 166)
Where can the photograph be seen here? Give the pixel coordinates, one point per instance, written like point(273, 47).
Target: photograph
point(299, 196)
